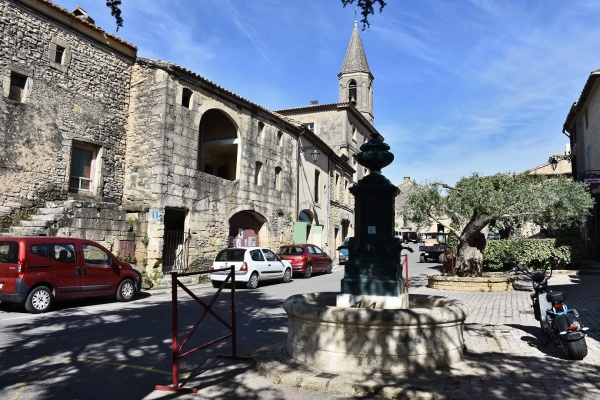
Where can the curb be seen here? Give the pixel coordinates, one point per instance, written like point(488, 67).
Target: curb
point(273, 363)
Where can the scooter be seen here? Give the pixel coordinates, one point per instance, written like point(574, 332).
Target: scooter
point(560, 323)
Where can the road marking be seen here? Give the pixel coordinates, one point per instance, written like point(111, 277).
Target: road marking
point(28, 378)
point(44, 359)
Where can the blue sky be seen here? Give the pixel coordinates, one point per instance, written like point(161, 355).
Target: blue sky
point(460, 86)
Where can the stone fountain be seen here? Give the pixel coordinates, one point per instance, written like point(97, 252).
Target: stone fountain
point(373, 326)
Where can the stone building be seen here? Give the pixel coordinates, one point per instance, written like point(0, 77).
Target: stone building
point(344, 126)
point(582, 127)
point(63, 118)
point(206, 166)
point(154, 161)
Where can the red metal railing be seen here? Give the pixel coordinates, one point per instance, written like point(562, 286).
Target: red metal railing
point(446, 261)
point(176, 349)
point(404, 262)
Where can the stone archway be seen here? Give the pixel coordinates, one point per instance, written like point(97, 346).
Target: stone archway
point(244, 229)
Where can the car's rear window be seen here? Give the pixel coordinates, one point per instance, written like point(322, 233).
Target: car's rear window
point(291, 250)
point(231, 255)
point(9, 252)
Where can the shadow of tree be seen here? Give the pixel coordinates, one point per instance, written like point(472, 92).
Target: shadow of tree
point(89, 350)
point(80, 351)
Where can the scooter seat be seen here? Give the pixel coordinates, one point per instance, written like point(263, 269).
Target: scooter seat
point(555, 297)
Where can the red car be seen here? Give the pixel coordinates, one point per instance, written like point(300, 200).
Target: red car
point(36, 270)
point(306, 259)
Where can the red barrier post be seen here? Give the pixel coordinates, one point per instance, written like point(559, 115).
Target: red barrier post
point(177, 349)
point(405, 263)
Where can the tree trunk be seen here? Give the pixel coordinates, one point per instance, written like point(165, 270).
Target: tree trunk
point(469, 260)
point(471, 243)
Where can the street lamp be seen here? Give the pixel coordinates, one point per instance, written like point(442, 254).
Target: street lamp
point(554, 160)
point(314, 154)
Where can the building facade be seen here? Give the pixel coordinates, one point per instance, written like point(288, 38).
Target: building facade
point(582, 126)
point(157, 163)
point(62, 122)
point(344, 127)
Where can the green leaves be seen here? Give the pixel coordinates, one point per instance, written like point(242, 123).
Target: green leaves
point(508, 200)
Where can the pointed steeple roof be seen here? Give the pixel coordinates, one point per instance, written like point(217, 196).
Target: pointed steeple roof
point(355, 60)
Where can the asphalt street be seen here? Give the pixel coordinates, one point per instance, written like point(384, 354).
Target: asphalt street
point(102, 349)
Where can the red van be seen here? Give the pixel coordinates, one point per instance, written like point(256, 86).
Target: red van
point(36, 270)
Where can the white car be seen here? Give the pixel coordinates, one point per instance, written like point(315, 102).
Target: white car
point(252, 264)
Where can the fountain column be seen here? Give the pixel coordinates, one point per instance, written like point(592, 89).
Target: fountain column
point(374, 268)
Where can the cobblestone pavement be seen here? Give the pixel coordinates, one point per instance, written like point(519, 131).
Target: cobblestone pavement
point(506, 357)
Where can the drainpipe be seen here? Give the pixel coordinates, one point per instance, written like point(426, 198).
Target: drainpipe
point(328, 216)
point(298, 155)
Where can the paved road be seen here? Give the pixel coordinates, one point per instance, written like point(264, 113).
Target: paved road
point(98, 349)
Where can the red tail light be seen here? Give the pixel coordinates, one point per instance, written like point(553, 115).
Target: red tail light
point(20, 268)
point(244, 267)
point(212, 267)
point(573, 327)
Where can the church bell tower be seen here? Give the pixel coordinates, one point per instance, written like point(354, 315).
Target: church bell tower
point(355, 78)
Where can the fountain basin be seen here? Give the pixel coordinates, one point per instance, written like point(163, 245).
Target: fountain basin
point(426, 336)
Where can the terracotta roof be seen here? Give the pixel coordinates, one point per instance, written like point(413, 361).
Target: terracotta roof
point(168, 66)
point(74, 17)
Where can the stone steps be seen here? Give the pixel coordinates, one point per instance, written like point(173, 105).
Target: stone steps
point(56, 217)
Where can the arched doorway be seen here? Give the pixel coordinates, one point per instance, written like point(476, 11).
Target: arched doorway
point(244, 229)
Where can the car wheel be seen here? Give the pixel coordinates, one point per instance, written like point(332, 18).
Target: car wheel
point(253, 281)
point(126, 290)
point(308, 272)
point(287, 276)
point(329, 268)
point(39, 300)
point(422, 258)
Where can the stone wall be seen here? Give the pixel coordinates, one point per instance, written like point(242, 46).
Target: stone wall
point(84, 98)
point(162, 173)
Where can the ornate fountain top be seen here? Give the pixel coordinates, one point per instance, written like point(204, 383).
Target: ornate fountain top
point(375, 154)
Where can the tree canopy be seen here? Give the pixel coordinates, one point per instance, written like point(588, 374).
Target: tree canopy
point(508, 200)
point(366, 7)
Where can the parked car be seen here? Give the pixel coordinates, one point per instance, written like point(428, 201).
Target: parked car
point(398, 234)
point(411, 237)
point(343, 256)
point(252, 265)
point(306, 259)
point(493, 236)
point(37, 270)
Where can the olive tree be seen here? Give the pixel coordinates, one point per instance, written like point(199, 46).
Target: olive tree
point(511, 199)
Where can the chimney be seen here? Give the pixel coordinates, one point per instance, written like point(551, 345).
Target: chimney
point(82, 15)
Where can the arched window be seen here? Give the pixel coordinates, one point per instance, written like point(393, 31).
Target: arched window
point(352, 91)
point(277, 182)
point(258, 174)
point(217, 145)
point(186, 97)
point(261, 128)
